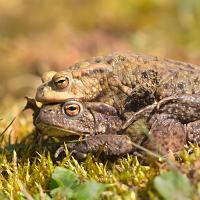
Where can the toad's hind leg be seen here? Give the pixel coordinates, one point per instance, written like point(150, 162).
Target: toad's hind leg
point(165, 134)
point(193, 132)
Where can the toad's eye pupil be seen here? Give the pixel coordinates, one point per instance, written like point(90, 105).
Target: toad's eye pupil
point(61, 81)
point(72, 108)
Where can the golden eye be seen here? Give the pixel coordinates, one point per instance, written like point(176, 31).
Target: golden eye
point(72, 109)
point(60, 80)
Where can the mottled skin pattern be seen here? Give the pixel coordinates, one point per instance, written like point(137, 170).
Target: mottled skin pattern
point(125, 81)
point(172, 122)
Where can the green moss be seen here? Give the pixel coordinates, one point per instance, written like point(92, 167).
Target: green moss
point(24, 172)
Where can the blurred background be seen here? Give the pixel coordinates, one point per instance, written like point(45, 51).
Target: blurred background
point(36, 36)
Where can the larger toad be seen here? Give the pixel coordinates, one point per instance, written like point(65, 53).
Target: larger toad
point(125, 81)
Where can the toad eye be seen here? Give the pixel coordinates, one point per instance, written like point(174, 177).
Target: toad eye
point(72, 109)
point(60, 80)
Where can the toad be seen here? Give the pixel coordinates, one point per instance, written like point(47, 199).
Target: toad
point(126, 81)
point(172, 122)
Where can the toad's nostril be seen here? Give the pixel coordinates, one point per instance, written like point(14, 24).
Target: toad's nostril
point(40, 89)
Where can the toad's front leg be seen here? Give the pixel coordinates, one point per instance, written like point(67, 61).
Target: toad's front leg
point(110, 145)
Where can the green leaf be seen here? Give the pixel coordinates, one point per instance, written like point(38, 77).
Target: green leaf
point(173, 186)
point(38, 197)
point(53, 184)
point(64, 178)
point(90, 190)
point(62, 193)
point(66, 184)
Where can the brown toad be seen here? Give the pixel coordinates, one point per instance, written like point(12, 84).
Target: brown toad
point(172, 122)
point(128, 82)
